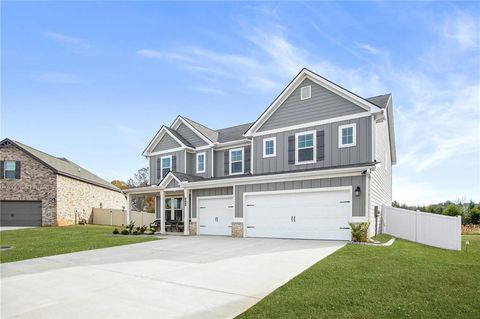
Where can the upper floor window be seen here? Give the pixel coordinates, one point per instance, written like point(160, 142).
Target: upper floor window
point(10, 168)
point(306, 92)
point(347, 135)
point(305, 152)
point(269, 147)
point(236, 161)
point(200, 162)
point(166, 165)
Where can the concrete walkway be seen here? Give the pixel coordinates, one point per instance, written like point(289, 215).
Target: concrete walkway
point(179, 277)
point(5, 228)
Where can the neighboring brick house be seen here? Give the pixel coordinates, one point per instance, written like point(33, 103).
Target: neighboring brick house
point(38, 189)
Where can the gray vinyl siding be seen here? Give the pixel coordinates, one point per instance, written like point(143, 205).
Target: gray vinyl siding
point(334, 156)
point(190, 136)
point(173, 184)
point(323, 104)
point(180, 158)
point(190, 163)
point(220, 160)
point(208, 192)
point(358, 203)
point(166, 143)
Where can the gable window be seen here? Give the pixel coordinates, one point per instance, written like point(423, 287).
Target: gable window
point(9, 169)
point(166, 164)
point(306, 92)
point(306, 147)
point(200, 162)
point(269, 147)
point(347, 135)
point(236, 161)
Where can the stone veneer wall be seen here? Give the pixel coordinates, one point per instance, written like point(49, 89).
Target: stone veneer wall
point(76, 199)
point(193, 228)
point(237, 229)
point(37, 183)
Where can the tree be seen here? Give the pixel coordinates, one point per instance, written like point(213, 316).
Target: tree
point(120, 184)
point(475, 215)
point(141, 203)
point(453, 210)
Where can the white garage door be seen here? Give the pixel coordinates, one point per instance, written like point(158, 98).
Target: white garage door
point(308, 214)
point(215, 215)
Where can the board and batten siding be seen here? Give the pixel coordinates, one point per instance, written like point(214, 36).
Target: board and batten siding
point(381, 177)
point(208, 164)
point(190, 136)
point(358, 203)
point(180, 164)
point(323, 104)
point(166, 143)
point(334, 156)
point(219, 157)
point(219, 191)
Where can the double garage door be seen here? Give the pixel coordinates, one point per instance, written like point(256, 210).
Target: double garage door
point(303, 214)
point(21, 213)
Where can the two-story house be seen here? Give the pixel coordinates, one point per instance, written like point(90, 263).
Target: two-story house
point(316, 159)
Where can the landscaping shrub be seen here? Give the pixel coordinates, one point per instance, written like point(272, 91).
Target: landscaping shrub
point(135, 232)
point(142, 229)
point(453, 210)
point(130, 226)
point(475, 215)
point(125, 232)
point(115, 231)
point(359, 231)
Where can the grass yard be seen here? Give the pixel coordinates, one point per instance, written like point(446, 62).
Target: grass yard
point(405, 280)
point(48, 241)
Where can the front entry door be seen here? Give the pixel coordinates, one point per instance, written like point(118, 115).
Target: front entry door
point(173, 209)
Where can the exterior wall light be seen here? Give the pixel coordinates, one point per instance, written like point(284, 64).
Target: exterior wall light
point(357, 191)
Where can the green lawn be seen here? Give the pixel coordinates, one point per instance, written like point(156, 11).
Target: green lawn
point(48, 241)
point(405, 280)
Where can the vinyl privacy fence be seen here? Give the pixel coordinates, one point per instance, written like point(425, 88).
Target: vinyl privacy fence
point(425, 228)
point(118, 217)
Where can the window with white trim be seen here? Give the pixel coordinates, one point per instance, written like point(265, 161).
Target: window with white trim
point(270, 147)
point(347, 135)
point(306, 92)
point(9, 169)
point(201, 162)
point(305, 152)
point(236, 161)
point(166, 164)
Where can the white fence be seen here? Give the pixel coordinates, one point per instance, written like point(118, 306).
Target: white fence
point(118, 217)
point(429, 229)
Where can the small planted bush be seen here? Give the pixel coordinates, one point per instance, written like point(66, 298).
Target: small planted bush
point(125, 232)
point(143, 229)
point(115, 231)
point(135, 232)
point(452, 210)
point(359, 232)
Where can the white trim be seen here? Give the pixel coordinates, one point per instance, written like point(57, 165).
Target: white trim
point(213, 159)
point(167, 179)
point(161, 165)
point(354, 135)
point(309, 87)
point(230, 146)
point(185, 162)
point(374, 130)
point(204, 162)
point(268, 139)
point(157, 139)
point(203, 137)
point(197, 208)
point(201, 148)
point(230, 161)
point(304, 74)
point(312, 124)
point(173, 150)
point(234, 203)
point(314, 146)
point(251, 156)
point(238, 219)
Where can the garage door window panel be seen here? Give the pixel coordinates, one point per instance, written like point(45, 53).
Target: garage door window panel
point(306, 147)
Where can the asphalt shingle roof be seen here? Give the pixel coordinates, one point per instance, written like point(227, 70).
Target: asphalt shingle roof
point(212, 135)
point(233, 133)
point(180, 137)
point(380, 100)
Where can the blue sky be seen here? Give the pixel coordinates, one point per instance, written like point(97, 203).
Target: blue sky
point(94, 81)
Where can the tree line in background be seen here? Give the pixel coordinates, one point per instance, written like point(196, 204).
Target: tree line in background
point(469, 211)
point(140, 178)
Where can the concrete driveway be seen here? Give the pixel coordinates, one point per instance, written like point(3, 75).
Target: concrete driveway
point(178, 277)
point(5, 228)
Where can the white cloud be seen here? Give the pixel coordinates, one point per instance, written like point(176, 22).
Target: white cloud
point(55, 77)
point(367, 47)
point(210, 90)
point(73, 43)
point(463, 28)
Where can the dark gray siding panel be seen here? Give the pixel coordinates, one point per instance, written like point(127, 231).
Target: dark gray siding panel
point(190, 163)
point(333, 156)
point(180, 159)
point(358, 203)
point(173, 184)
point(220, 167)
point(166, 143)
point(323, 104)
point(190, 136)
point(208, 192)
point(208, 164)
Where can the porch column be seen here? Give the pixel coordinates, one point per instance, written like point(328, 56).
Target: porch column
point(129, 205)
point(186, 213)
point(162, 212)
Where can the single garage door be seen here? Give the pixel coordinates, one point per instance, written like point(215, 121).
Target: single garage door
point(306, 214)
point(21, 213)
point(215, 215)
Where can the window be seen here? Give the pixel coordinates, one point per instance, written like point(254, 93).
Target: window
point(200, 162)
point(306, 151)
point(269, 147)
point(166, 165)
point(10, 169)
point(306, 92)
point(347, 135)
point(236, 161)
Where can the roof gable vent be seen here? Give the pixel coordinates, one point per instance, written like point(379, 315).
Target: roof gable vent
point(306, 92)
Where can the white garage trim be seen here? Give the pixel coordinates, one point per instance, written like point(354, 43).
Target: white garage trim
point(232, 197)
point(305, 190)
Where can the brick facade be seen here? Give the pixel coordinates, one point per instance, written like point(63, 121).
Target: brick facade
point(193, 228)
point(237, 229)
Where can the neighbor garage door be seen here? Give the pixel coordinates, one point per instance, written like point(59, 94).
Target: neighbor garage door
point(215, 215)
point(307, 214)
point(21, 213)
